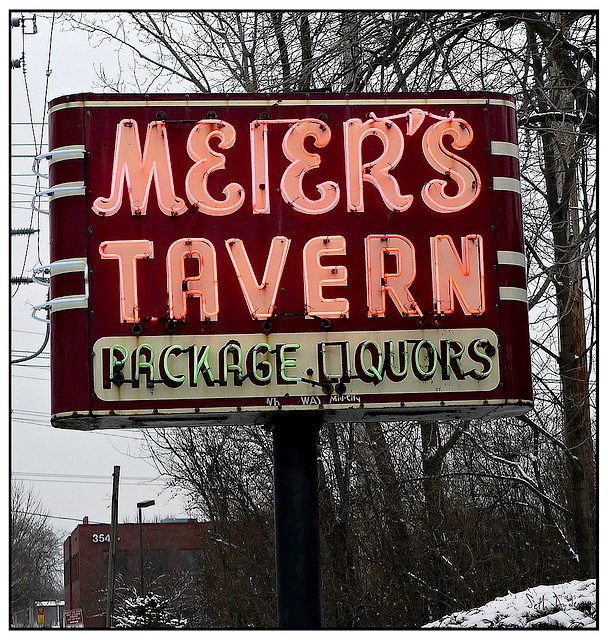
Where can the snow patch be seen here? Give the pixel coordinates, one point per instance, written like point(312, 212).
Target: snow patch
point(571, 605)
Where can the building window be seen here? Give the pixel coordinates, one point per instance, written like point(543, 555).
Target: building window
point(155, 563)
point(191, 561)
point(121, 567)
point(75, 569)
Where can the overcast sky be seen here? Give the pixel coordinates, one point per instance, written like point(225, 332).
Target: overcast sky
point(70, 470)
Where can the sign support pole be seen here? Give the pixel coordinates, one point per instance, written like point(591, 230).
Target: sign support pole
point(296, 497)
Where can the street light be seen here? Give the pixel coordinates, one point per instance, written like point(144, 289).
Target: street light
point(140, 506)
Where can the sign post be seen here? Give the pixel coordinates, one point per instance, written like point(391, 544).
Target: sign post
point(268, 259)
point(295, 449)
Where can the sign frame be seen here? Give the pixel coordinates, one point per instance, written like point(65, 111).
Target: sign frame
point(293, 220)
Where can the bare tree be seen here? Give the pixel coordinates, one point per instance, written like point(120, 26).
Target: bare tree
point(227, 475)
point(35, 550)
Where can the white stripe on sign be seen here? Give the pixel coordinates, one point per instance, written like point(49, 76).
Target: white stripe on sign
point(502, 183)
point(504, 149)
point(515, 258)
point(516, 294)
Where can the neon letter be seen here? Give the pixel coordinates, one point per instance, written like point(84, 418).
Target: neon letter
point(480, 357)
point(378, 171)
point(127, 252)
point(232, 348)
point(199, 363)
point(143, 367)
point(259, 371)
point(325, 349)
point(113, 366)
point(462, 172)
point(258, 141)
point(451, 275)
point(302, 161)
point(208, 161)
point(284, 363)
point(379, 283)
point(451, 352)
point(424, 367)
point(139, 171)
point(167, 377)
point(374, 371)
point(392, 359)
point(316, 276)
point(203, 285)
point(261, 297)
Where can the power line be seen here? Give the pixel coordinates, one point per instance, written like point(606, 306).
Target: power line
point(96, 482)
point(16, 375)
point(35, 144)
point(44, 419)
point(44, 354)
point(46, 515)
point(29, 412)
point(34, 365)
point(35, 333)
point(39, 423)
point(42, 347)
point(87, 476)
point(46, 423)
point(22, 184)
point(65, 478)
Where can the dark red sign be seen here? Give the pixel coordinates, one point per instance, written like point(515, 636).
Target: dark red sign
point(217, 258)
point(73, 618)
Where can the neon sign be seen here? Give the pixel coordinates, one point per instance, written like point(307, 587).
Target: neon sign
point(139, 170)
point(359, 254)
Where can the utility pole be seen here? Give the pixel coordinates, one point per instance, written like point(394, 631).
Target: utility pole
point(112, 554)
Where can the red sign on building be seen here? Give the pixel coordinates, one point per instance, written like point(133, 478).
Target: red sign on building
point(73, 618)
point(217, 258)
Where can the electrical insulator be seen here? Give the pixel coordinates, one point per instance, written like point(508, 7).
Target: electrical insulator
point(23, 232)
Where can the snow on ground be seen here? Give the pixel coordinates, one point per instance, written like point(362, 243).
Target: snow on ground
point(570, 605)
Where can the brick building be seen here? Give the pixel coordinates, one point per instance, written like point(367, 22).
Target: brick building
point(169, 549)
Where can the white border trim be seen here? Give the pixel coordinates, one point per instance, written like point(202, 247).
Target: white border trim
point(70, 152)
point(65, 189)
point(515, 258)
point(502, 183)
point(185, 102)
point(272, 408)
point(498, 148)
point(516, 294)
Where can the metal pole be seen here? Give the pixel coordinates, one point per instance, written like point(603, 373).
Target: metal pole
point(141, 555)
point(296, 498)
point(140, 506)
point(112, 555)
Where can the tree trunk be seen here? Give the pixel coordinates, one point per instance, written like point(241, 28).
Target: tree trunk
point(277, 25)
point(340, 561)
point(560, 151)
point(432, 460)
